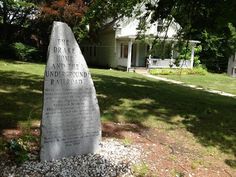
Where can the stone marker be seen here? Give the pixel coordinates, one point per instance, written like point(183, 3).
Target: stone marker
point(71, 118)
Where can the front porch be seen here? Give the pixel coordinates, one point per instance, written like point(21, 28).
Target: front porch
point(133, 53)
point(168, 63)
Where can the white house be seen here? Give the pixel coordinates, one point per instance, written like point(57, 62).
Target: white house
point(118, 46)
point(232, 66)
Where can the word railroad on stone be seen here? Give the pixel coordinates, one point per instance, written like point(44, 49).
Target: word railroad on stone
point(70, 122)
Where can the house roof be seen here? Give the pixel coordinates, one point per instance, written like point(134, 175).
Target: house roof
point(134, 37)
point(127, 28)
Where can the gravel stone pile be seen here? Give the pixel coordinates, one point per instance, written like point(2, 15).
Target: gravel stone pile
point(114, 159)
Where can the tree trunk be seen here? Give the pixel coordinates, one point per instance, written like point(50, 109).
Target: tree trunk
point(4, 20)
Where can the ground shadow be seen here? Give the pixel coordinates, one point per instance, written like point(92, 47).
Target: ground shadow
point(133, 99)
point(209, 117)
point(21, 98)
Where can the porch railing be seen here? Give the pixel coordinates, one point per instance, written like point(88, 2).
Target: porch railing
point(167, 63)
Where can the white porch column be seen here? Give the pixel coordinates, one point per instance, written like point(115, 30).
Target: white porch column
point(137, 54)
point(172, 54)
point(150, 48)
point(129, 55)
point(192, 57)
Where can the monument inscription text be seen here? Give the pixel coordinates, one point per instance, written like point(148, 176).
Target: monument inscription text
point(71, 118)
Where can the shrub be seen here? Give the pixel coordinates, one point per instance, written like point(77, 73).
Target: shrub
point(163, 71)
point(24, 52)
point(18, 150)
point(196, 70)
point(200, 70)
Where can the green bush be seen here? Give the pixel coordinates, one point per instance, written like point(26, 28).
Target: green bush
point(200, 70)
point(196, 70)
point(24, 52)
point(162, 71)
point(184, 53)
point(18, 149)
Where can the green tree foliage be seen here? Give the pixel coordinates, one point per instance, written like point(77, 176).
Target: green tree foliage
point(67, 11)
point(24, 52)
point(30, 21)
point(14, 16)
point(232, 39)
point(80, 14)
point(212, 22)
point(15, 22)
point(102, 13)
point(16, 12)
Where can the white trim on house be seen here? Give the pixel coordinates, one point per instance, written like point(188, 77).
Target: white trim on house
point(129, 54)
point(167, 63)
point(125, 32)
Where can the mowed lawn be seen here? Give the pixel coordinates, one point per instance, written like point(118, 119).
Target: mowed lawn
point(128, 98)
point(221, 82)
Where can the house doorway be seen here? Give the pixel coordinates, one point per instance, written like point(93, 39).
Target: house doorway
point(133, 55)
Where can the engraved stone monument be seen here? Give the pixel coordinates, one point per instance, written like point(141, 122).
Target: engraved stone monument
point(70, 122)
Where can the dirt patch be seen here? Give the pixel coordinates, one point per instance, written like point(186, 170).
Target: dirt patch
point(170, 156)
point(166, 153)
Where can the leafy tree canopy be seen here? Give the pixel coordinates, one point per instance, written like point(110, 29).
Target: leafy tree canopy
point(101, 13)
point(212, 22)
point(16, 12)
point(67, 11)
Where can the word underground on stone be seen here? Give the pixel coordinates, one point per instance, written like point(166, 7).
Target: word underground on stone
point(68, 77)
point(71, 118)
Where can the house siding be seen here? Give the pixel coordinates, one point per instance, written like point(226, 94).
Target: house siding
point(89, 51)
point(106, 50)
point(103, 53)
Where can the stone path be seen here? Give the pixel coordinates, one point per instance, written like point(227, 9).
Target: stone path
point(187, 85)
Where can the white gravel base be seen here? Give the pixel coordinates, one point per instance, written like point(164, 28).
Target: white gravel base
point(114, 159)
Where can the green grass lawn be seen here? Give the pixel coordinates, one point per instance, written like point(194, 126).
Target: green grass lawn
point(221, 82)
point(128, 97)
point(20, 92)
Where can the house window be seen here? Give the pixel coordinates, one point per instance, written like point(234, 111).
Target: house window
point(160, 25)
point(123, 51)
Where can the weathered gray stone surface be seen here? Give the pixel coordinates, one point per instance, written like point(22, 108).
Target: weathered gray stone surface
point(71, 118)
